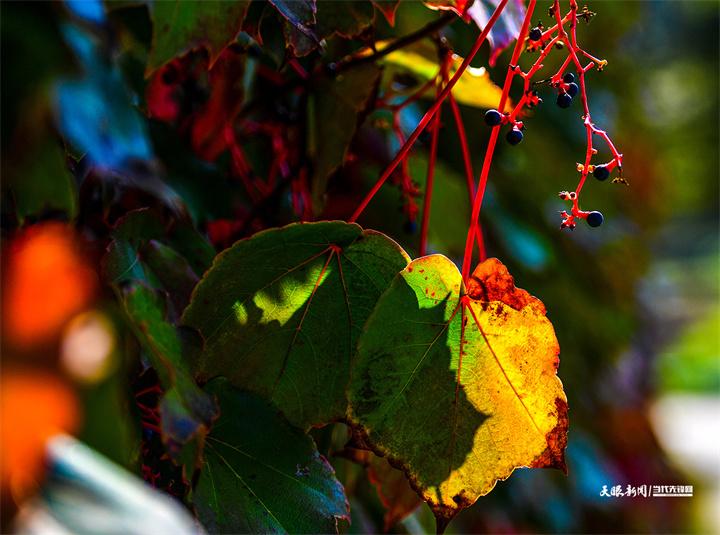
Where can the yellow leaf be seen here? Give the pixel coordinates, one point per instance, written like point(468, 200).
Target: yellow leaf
point(457, 386)
point(475, 88)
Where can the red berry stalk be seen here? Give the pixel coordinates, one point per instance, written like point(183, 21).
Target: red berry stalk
point(490, 151)
point(548, 40)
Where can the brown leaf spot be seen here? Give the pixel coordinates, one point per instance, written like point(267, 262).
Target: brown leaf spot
point(554, 454)
point(491, 281)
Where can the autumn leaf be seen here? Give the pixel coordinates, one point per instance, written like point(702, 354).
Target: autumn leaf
point(420, 60)
point(261, 475)
point(180, 26)
point(280, 313)
point(505, 30)
point(458, 386)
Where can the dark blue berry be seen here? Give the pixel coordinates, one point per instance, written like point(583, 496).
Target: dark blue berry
point(493, 117)
point(572, 89)
point(514, 136)
point(564, 100)
point(601, 172)
point(535, 34)
point(569, 78)
point(595, 219)
point(410, 227)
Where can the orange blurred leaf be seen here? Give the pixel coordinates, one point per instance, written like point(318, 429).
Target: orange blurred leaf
point(46, 282)
point(35, 406)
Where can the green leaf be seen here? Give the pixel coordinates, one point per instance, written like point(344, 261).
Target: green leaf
point(281, 312)
point(181, 25)
point(260, 475)
point(336, 109)
point(42, 183)
point(154, 267)
point(169, 257)
point(458, 387)
point(186, 411)
point(299, 24)
point(299, 13)
point(347, 19)
point(304, 29)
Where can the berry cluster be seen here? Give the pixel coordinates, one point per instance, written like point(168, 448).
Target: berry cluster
point(495, 118)
point(567, 89)
point(568, 86)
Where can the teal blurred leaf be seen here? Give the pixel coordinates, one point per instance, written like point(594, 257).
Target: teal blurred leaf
point(85, 493)
point(96, 113)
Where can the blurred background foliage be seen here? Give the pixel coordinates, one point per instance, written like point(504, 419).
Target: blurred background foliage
point(635, 303)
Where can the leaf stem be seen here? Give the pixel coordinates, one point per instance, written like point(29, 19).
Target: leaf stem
point(467, 162)
point(427, 199)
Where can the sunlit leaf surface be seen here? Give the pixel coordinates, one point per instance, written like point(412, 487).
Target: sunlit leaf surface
point(281, 312)
point(459, 389)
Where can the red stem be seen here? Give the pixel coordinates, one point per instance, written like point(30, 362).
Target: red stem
point(467, 161)
point(427, 199)
point(431, 112)
point(490, 151)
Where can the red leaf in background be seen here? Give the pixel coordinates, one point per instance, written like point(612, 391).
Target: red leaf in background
point(178, 92)
point(222, 232)
point(162, 94)
point(225, 102)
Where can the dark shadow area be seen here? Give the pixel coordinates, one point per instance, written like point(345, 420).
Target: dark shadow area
point(406, 391)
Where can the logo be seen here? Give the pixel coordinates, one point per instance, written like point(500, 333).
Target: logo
point(647, 491)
